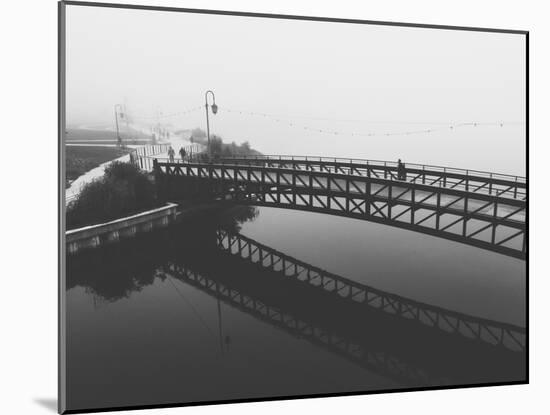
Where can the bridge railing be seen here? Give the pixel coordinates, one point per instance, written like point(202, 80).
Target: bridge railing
point(470, 180)
point(142, 157)
point(374, 163)
point(368, 162)
point(151, 150)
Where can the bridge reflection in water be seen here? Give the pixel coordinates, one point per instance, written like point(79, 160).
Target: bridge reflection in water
point(506, 335)
point(482, 209)
point(412, 343)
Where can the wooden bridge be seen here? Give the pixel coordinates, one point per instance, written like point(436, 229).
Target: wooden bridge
point(482, 209)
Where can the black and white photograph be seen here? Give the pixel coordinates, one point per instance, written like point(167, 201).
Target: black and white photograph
point(258, 207)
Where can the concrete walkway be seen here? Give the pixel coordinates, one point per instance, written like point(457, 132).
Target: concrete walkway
point(76, 186)
point(176, 143)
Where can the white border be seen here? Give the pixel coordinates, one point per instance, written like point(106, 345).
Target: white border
point(29, 203)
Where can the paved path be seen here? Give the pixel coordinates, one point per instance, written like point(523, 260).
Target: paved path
point(177, 142)
point(76, 186)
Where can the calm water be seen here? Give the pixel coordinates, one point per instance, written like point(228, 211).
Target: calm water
point(147, 323)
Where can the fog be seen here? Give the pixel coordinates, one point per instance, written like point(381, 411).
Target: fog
point(348, 80)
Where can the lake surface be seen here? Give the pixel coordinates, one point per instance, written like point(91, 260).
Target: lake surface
point(148, 321)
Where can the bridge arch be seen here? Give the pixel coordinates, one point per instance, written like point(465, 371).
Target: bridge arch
point(481, 209)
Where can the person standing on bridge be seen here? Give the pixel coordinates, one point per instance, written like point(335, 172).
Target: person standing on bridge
point(401, 174)
point(182, 153)
point(171, 154)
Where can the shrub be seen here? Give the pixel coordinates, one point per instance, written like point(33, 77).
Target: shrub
point(123, 190)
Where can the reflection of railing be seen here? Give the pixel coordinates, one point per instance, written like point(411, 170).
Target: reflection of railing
point(411, 354)
point(367, 334)
point(488, 221)
point(499, 334)
point(379, 362)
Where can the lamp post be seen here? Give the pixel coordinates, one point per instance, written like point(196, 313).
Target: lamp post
point(119, 140)
point(214, 110)
point(159, 113)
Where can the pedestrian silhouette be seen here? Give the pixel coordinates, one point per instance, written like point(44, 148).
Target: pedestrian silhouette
point(182, 153)
point(401, 174)
point(171, 154)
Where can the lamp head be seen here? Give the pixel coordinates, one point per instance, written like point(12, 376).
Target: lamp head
point(214, 108)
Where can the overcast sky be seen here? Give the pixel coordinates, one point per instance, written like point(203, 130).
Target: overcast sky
point(352, 79)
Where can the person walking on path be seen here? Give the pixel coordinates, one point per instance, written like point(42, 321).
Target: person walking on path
point(182, 153)
point(171, 154)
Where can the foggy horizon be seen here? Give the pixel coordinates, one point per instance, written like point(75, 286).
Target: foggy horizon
point(352, 79)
